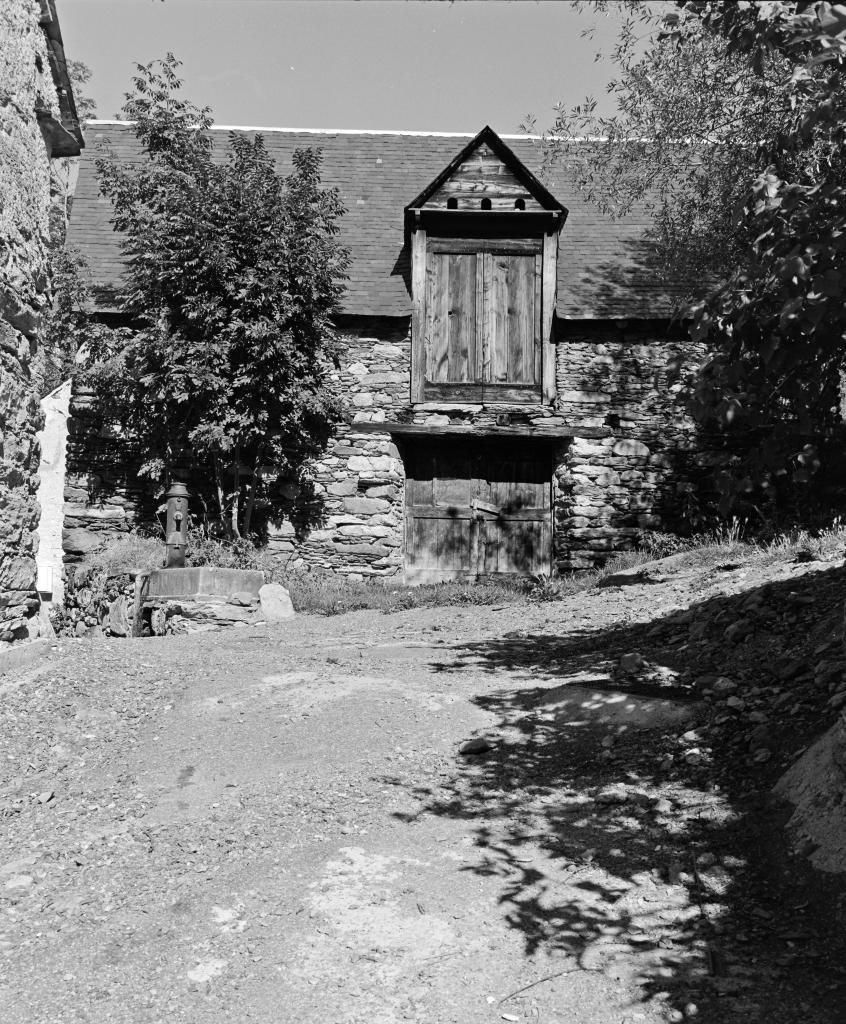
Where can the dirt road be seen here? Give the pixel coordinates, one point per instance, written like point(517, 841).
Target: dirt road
point(276, 825)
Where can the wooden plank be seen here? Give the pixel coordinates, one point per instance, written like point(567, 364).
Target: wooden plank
point(550, 278)
point(498, 313)
point(483, 353)
point(451, 476)
point(480, 430)
point(424, 511)
point(489, 394)
point(493, 245)
point(437, 317)
point(418, 313)
point(462, 318)
point(520, 319)
point(537, 324)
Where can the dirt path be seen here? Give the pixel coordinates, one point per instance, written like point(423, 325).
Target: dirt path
point(275, 825)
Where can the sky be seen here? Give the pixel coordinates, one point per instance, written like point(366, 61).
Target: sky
point(373, 64)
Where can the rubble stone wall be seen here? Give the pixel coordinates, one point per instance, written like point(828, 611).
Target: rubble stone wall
point(607, 490)
point(25, 204)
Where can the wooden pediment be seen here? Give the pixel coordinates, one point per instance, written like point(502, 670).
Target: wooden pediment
point(486, 176)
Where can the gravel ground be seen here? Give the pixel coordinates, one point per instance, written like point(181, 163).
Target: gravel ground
point(277, 824)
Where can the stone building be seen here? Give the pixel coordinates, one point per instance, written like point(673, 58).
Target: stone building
point(509, 407)
point(39, 137)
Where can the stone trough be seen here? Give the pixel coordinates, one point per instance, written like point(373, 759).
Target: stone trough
point(203, 598)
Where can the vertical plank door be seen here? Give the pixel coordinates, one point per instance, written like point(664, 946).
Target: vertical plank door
point(477, 508)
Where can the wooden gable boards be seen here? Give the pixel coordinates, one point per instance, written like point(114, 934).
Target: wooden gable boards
point(486, 175)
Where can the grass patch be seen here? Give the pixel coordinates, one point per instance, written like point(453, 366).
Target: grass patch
point(323, 593)
point(124, 553)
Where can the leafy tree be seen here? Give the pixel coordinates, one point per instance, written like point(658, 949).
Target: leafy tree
point(68, 327)
point(80, 75)
point(730, 131)
point(233, 277)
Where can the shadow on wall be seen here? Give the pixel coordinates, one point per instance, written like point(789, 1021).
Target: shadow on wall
point(703, 896)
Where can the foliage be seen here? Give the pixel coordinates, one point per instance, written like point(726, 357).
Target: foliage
point(682, 145)
point(80, 75)
point(233, 276)
point(68, 328)
point(730, 132)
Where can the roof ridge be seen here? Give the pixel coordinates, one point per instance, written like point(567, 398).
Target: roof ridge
point(324, 131)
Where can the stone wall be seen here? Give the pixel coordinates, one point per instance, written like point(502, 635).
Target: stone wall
point(25, 190)
point(607, 490)
point(643, 475)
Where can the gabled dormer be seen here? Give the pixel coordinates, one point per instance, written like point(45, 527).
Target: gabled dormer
point(484, 251)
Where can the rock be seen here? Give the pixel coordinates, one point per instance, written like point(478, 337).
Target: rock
point(19, 882)
point(46, 796)
point(118, 618)
point(724, 685)
point(243, 598)
point(612, 795)
point(80, 628)
point(275, 602)
point(838, 700)
point(157, 621)
point(693, 756)
point(737, 631)
point(478, 745)
point(632, 662)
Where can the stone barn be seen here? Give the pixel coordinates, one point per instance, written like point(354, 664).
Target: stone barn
point(509, 408)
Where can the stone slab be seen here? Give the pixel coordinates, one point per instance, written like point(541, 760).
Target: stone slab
point(23, 656)
point(201, 581)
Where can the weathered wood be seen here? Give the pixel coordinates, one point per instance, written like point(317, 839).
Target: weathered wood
point(482, 356)
point(498, 312)
point(418, 306)
point(485, 393)
point(437, 317)
point(462, 318)
point(537, 325)
point(494, 245)
point(490, 513)
point(550, 279)
point(526, 515)
point(483, 173)
point(527, 431)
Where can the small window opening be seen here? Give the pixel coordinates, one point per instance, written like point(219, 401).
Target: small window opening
point(519, 204)
point(486, 204)
point(452, 204)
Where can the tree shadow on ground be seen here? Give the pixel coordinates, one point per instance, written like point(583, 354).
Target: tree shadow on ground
point(633, 855)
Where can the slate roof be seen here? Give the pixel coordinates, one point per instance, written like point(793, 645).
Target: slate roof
point(603, 266)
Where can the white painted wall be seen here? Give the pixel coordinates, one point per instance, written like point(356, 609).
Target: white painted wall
point(51, 493)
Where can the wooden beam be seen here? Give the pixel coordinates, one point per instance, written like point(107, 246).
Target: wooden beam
point(550, 280)
point(494, 245)
point(418, 313)
point(477, 430)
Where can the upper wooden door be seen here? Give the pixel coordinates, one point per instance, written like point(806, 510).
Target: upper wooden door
point(482, 329)
point(477, 509)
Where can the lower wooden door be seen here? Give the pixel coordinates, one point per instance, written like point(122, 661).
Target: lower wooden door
point(480, 508)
